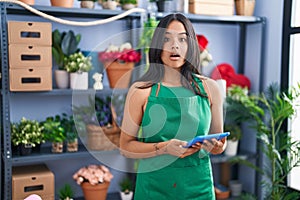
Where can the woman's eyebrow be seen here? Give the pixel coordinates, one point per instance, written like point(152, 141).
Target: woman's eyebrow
point(182, 33)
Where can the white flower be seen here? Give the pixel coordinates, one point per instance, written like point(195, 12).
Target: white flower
point(112, 48)
point(124, 46)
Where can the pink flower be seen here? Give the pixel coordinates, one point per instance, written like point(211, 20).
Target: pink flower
point(94, 174)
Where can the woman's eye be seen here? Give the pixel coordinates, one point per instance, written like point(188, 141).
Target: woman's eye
point(166, 39)
point(182, 39)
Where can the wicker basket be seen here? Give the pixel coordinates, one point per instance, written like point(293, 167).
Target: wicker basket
point(103, 138)
point(245, 7)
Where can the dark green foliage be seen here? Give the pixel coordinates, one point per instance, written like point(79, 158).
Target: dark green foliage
point(126, 185)
point(267, 114)
point(68, 124)
point(66, 192)
point(53, 130)
point(128, 2)
point(63, 45)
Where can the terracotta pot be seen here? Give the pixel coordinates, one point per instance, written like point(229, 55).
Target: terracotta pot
point(244, 7)
point(62, 3)
point(119, 74)
point(95, 192)
point(29, 2)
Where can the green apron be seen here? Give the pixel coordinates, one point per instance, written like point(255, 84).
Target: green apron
point(175, 112)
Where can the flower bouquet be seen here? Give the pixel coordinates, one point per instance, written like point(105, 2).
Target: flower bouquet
point(94, 181)
point(117, 62)
point(124, 53)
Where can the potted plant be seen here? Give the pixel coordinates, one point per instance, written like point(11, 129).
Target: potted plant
point(148, 31)
point(164, 5)
point(118, 62)
point(94, 181)
point(233, 139)
point(29, 2)
point(244, 7)
point(55, 133)
point(87, 3)
point(78, 66)
point(68, 124)
point(102, 130)
point(109, 4)
point(128, 4)
point(66, 192)
point(27, 134)
point(126, 186)
point(266, 114)
point(236, 97)
point(63, 45)
point(60, 3)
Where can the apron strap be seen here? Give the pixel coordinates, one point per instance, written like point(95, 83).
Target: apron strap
point(155, 90)
point(206, 88)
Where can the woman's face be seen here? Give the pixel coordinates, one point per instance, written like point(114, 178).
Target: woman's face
point(175, 45)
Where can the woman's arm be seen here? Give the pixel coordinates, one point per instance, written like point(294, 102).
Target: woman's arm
point(217, 122)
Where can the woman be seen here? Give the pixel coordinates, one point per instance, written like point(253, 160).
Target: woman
point(171, 104)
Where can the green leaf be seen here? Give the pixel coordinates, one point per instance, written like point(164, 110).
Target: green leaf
point(69, 43)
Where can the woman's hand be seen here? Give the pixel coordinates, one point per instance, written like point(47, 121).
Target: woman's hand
point(176, 147)
point(214, 146)
point(191, 150)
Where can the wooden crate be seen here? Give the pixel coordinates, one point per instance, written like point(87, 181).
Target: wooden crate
point(39, 33)
point(211, 7)
point(21, 55)
point(32, 179)
point(30, 79)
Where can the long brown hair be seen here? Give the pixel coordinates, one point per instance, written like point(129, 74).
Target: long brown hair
point(155, 73)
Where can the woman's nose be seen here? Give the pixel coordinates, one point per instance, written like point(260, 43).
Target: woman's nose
point(175, 45)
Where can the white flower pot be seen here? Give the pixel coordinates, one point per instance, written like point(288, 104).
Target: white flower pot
point(87, 4)
point(231, 148)
point(111, 5)
point(235, 188)
point(61, 79)
point(128, 6)
point(126, 196)
point(79, 81)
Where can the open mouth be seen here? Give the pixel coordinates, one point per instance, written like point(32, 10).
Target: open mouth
point(175, 55)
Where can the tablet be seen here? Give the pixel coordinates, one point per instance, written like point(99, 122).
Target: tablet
point(200, 138)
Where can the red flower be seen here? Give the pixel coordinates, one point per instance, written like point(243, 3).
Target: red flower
point(202, 42)
point(127, 55)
